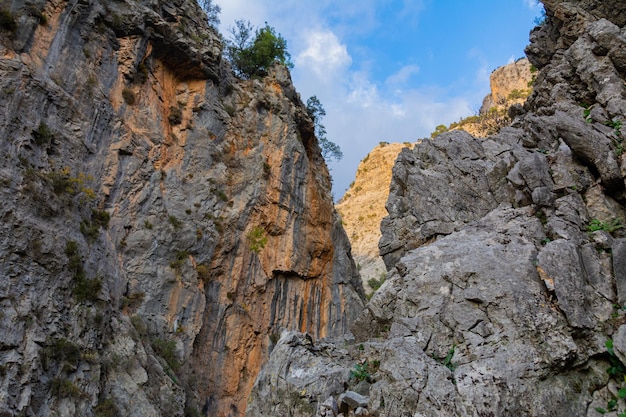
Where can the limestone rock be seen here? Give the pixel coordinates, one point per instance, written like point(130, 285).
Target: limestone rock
point(162, 221)
point(363, 206)
point(506, 254)
point(509, 84)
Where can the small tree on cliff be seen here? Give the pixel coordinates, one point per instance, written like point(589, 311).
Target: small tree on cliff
point(212, 11)
point(330, 150)
point(254, 57)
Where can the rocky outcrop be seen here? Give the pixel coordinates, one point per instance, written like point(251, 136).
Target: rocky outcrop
point(363, 206)
point(510, 84)
point(162, 221)
point(505, 291)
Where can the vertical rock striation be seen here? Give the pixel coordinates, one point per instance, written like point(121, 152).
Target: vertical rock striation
point(162, 221)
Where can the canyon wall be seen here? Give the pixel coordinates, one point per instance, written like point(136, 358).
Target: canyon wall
point(506, 291)
point(162, 220)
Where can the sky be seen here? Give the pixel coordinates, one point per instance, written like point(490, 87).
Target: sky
point(390, 70)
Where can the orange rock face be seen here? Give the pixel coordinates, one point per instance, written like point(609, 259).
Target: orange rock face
point(222, 229)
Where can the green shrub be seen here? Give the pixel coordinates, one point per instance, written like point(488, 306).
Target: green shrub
point(179, 261)
point(64, 388)
point(64, 183)
point(87, 289)
point(254, 57)
point(167, 350)
point(106, 408)
point(84, 289)
point(175, 222)
point(375, 284)
point(90, 228)
point(42, 135)
point(203, 272)
point(595, 225)
point(8, 22)
point(316, 112)
point(176, 116)
point(438, 130)
point(129, 96)
point(61, 351)
point(257, 239)
point(360, 372)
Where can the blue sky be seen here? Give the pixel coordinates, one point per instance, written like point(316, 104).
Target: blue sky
point(391, 70)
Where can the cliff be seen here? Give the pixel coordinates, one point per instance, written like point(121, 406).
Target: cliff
point(506, 292)
point(363, 206)
point(162, 221)
point(509, 84)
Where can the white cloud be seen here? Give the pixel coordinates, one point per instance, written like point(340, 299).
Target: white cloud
point(361, 111)
point(403, 75)
point(324, 54)
point(533, 4)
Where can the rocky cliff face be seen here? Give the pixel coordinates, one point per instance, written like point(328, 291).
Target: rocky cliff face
point(162, 221)
point(506, 287)
point(363, 207)
point(509, 84)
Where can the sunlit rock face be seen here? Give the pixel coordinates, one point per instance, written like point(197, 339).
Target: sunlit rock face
point(505, 258)
point(162, 221)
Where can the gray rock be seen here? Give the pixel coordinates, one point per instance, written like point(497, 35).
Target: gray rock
point(363, 388)
point(361, 411)
point(331, 405)
point(619, 269)
point(498, 301)
point(353, 399)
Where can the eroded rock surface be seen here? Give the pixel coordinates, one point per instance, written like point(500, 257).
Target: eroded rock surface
point(505, 254)
point(162, 221)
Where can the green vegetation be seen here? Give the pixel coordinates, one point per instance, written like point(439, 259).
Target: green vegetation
point(87, 289)
point(330, 150)
point(64, 388)
point(360, 372)
point(90, 228)
point(106, 408)
point(617, 371)
point(595, 225)
point(212, 11)
point(84, 289)
point(252, 58)
point(129, 96)
point(61, 351)
point(179, 261)
point(133, 300)
point(375, 284)
point(63, 182)
point(519, 94)
point(203, 272)
point(176, 224)
point(167, 350)
point(42, 135)
point(176, 116)
point(447, 361)
point(8, 22)
point(257, 239)
point(438, 131)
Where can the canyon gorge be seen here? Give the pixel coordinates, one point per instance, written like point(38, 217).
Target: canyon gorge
point(169, 245)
